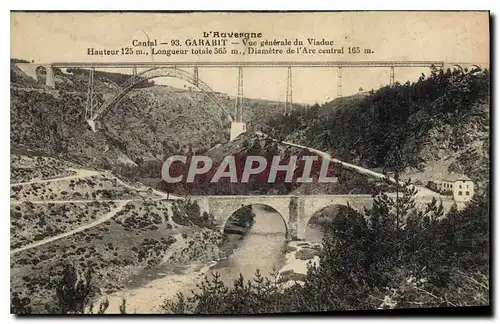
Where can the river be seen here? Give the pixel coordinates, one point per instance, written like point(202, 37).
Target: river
point(261, 248)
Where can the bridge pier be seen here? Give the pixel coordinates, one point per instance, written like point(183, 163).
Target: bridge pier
point(238, 114)
point(237, 125)
point(289, 90)
point(293, 212)
point(91, 124)
point(339, 83)
point(301, 220)
point(196, 76)
point(391, 77)
point(49, 77)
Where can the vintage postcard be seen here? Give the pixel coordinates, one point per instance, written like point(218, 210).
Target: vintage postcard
point(249, 162)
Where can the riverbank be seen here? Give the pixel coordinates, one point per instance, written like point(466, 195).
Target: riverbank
point(149, 298)
point(298, 255)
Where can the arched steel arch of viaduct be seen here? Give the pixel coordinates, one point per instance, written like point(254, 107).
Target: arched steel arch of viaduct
point(153, 73)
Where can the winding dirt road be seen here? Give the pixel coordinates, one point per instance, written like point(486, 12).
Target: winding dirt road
point(41, 202)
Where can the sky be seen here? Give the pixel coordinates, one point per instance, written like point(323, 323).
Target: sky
point(399, 36)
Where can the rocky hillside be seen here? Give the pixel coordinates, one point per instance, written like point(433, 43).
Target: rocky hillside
point(436, 125)
point(150, 123)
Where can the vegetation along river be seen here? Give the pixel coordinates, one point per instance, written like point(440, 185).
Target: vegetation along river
point(260, 248)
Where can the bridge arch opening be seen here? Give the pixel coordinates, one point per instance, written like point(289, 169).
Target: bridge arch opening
point(258, 219)
point(324, 217)
point(261, 248)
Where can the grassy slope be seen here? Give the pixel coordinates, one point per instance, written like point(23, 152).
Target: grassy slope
point(149, 124)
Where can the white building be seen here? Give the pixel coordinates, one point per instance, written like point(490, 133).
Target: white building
point(461, 186)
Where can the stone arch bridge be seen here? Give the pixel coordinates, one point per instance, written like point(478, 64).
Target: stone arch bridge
point(296, 211)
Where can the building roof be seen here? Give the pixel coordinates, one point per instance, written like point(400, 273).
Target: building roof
point(456, 177)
